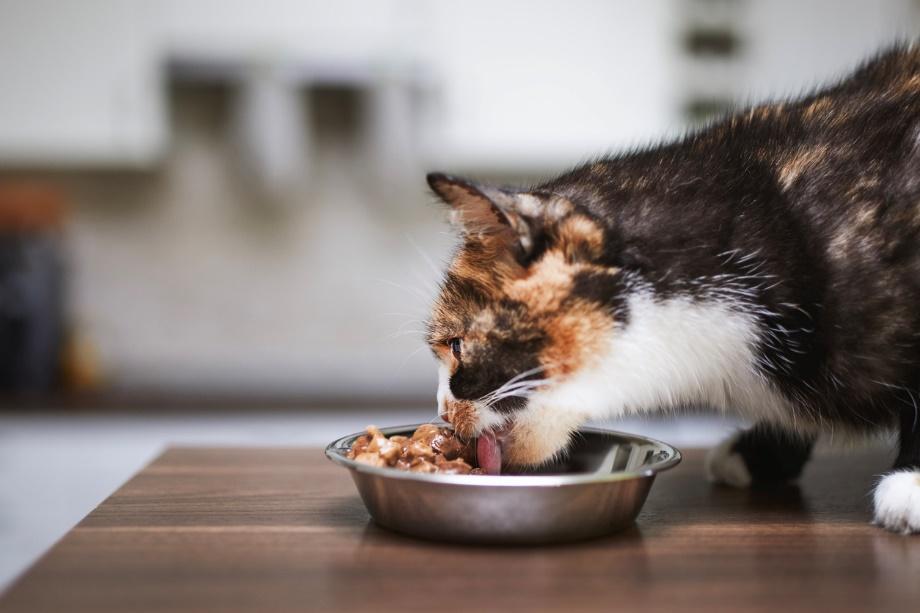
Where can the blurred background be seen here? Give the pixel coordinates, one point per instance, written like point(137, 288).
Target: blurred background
point(214, 226)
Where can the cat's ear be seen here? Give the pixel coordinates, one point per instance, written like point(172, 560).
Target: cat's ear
point(490, 213)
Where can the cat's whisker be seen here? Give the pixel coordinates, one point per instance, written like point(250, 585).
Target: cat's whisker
point(524, 384)
point(512, 388)
point(401, 314)
point(520, 391)
point(526, 373)
point(402, 333)
point(425, 257)
point(425, 295)
point(523, 394)
point(507, 384)
point(518, 386)
point(406, 359)
point(510, 394)
point(411, 322)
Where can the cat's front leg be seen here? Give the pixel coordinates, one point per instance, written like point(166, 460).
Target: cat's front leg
point(897, 496)
point(763, 454)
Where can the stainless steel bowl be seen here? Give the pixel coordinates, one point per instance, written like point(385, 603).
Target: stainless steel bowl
point(597, 489)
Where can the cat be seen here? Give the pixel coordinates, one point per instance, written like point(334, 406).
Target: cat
point(768, 264)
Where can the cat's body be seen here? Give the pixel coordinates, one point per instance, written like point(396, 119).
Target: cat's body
point(769, 265)
point(806, 212)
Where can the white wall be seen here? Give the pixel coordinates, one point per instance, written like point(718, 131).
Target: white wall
point(795, 46)
point(546, 84)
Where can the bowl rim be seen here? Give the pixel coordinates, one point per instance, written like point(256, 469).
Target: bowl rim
point(337, 449)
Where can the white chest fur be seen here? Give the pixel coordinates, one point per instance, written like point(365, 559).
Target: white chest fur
point(672, 354)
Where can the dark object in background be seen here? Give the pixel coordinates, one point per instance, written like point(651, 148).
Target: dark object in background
point(31, 288)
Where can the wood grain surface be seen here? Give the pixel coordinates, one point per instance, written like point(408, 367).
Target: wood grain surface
point(284, 530)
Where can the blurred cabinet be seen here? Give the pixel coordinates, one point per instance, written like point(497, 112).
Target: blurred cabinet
point(80, 84)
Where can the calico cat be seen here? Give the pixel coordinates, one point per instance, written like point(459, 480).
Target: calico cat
point(767, 265)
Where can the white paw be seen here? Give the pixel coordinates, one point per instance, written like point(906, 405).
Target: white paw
point(726, 466)
point(897, 502)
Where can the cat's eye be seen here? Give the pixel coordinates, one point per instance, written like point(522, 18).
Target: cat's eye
point(456, 346)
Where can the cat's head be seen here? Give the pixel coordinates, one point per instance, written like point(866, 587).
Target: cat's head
point(527, 305)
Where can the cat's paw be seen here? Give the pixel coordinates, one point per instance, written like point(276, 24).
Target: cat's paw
point(725, 465)
point(897, 502)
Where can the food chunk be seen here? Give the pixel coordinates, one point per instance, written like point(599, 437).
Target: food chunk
point(430, 449)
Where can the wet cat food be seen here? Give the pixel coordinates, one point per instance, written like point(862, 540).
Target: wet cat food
point(430, 449)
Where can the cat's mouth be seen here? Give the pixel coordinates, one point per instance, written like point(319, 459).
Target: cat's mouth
point(489, 449)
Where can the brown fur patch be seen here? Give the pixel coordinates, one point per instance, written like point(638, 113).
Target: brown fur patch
point(442, 352)
point(599, 169)
point(909, 85)
point(800, 162)
point(863, 184)
point(634, 184)
point(767, 111)
point(546, 284)
point(858, 232)
point(486, 264)
point(574, 329)
point(575, 335)
point(817, 108)
point(580, 238)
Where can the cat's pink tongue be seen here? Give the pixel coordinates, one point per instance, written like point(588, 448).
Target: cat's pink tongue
point(489, 453)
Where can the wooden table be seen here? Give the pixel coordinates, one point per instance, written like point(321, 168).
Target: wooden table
point(284, 530)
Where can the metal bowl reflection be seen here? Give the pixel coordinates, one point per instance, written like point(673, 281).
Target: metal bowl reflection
point(597, 489)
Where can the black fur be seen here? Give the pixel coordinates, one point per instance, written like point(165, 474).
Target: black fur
point(909, 448)
point(771, 455)
point(603, 290)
